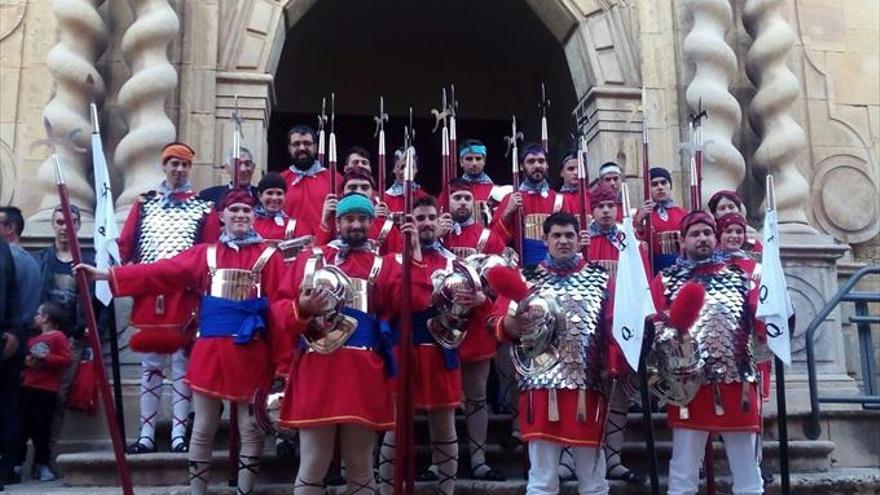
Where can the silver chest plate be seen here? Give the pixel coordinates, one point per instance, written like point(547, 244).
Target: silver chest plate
point(166, 232)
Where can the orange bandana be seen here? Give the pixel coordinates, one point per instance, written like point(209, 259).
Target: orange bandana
point(178, 150)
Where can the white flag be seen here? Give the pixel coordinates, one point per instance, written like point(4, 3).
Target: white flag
point(774, 302)
point(632, 300)
point(106, 234)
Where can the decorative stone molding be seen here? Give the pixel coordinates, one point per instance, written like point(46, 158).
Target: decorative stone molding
point(845, 198)
point(82, 37)
point(715, 70)
point(254, 33)
point(12, 14)
point(782, 140)
point(611, 129)
point(142, 98)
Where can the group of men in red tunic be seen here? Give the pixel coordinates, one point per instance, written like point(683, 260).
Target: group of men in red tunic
point(212, 288)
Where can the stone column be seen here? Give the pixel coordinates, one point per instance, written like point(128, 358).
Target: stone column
point(142, 98)
point(82, 37)
point(715, 68)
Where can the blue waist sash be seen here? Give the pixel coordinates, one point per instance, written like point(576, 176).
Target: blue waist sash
point(371, 333)
point(221, 317)
point(534, 251)
point(421, 335)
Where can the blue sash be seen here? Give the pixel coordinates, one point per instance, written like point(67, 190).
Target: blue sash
point(421, 335)
point(221, 317)
point(374, 334)
point(535, 251)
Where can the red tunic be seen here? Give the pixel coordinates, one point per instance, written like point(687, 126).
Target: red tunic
point(434, 386)
point(572, 203)
point(271, 231)
point(658, 225)
point(479, 344)
point(702, 410)
point(48, 373)
point(304, 199)
point(349, 385)
point(391, 240)
point(481, 191)
point(603, 251)
point(176, 308)
point(395, 201)
point(533, 203)
point(218, 367)
point(567, 430)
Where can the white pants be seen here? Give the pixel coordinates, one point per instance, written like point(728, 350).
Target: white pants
point(153, 367)
point(544, 471)
point(688, 448)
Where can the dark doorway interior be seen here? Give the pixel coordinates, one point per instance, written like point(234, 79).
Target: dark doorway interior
point(496, 53)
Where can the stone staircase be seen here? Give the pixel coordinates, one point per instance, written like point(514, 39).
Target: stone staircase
point(810, 462)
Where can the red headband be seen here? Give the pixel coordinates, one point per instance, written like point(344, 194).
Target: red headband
point(178, 150)
point(603, 192)
point(238, 196)
point(694, 218)
point(730, 219)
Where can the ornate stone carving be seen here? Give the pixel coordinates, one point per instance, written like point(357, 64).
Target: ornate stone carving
point(255, 32)
point(715, 70)
point(142, 97)
point(11, 15)
point(782, 139)
point(846, 203)
point(82, 37)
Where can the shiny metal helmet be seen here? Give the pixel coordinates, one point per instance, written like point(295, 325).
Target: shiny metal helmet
point(447, 327)
point(330, 329)
point(482, 263)
point(291, 248)
point(675, 368)
point(545, 320)
point(266, 409)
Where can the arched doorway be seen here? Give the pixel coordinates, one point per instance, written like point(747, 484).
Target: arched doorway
point(496, 53)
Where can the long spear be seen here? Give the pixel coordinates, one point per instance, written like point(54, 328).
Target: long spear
point(514, 163)
point(696, 120)
point(82, 283)
point(380, 132)
point(440, 117)
point(583, 186)
point(332, 146)
point(236, 144)
point(646, 181)
point(322, 120)
point(453, 132)
point(404, 472)
point(544, 104)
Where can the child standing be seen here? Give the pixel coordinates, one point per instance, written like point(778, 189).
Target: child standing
point(48, 356)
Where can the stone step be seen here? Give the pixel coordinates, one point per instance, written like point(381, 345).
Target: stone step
point(99, 468)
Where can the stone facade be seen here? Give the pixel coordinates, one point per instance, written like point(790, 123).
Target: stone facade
point(792, 88)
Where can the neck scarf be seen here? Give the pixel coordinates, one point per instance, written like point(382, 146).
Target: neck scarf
point(567, 265)
point(611, 233)
point(249, 237)
point(683, 262)
point(457, 227)
point(436, 246)
point(172, 196)
point(542, 188)
point(662, 208)
point(396, 189)
point(278, 216)
point(567, 188)
point(343, 249)
point(312, 171)
point(480, 178)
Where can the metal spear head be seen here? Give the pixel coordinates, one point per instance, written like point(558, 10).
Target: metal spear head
point(53, 143)
point(440, 115)
point(322, 117)
point(697, 117)
point(513, 139)
point(453, 103)
point(544, 103)
point(381, 118)
point(332, 112)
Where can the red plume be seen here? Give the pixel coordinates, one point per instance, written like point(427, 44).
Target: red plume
point(687, 305)
point(507, 282)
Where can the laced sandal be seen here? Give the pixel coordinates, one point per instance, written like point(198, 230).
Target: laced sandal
point(179, 445)
point(619, 472)
point(140, 447)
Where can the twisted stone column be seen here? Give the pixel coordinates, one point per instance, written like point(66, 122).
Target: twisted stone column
point(782, 139)
point(82, 38)
point(715, 71)
point(142, 98)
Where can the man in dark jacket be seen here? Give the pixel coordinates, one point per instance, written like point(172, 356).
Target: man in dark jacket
point(10, 361)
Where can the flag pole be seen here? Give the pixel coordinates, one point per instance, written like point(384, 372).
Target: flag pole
point(122, 467)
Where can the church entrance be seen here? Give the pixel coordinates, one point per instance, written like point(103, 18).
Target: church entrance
point(496, 53)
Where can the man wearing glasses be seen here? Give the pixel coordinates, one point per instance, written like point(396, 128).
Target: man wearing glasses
point(308, 181)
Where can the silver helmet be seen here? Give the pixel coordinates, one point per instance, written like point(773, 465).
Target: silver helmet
point(544, 321)
point(447, 327)
point(330, 329)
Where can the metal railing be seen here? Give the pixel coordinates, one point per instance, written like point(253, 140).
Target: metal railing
point(869, 399)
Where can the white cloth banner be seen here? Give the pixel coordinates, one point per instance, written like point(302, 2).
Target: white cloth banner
point(106, 232)
point(632, 301)
point(774, 302)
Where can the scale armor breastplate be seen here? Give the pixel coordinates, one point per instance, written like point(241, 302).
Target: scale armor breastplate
point(166, 232)
point(582, 296)
point(722, 330)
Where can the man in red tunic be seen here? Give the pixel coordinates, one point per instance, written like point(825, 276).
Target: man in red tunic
point(271, 222)
point(562, 404)
point(384, 234)
point(467, 238)
point(727, 401)
point(394, 194)
point(346, 391)
point(611, 174)
point(308, 182)
point(665, 219)
point(237, 349)
point(161, 224)
point(472, 159)
point(436, 376)
point(536, 200)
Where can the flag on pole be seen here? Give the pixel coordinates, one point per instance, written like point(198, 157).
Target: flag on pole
point(106, 234)
point(633, 302)
point(774, 302)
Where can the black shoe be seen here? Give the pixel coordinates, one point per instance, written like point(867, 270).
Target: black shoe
point(179, 445)
point(141, 448)
point(487, 474)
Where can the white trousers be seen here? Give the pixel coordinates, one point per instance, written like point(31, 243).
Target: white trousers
point(589, 466)
point(152, 379)
point(688, 449)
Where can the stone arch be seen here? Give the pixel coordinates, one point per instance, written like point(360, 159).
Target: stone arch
point(597, 37)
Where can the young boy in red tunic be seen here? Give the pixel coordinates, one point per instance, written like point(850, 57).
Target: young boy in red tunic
point(238, 348)
point(665, 219)
point(727, 401)
point(341, 390)
point(47, 357)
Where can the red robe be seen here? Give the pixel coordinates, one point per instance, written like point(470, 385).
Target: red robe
point(304, 199)
point(434, 386)
point(658, 225)
point(271, 231)
point(395, 201)
point(533, 203)
point(218, 367)
point(479, 344)
point(177, 307)
point(701, 409)
point(349, 385)
point(604, 252)
point(568, 430)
